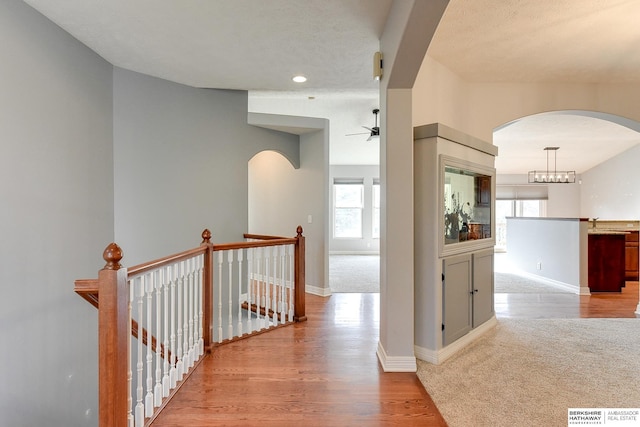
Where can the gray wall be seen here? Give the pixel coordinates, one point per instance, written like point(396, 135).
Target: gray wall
point(181, 164)
point(281, 198)
point(56, 217)
point(549, 247)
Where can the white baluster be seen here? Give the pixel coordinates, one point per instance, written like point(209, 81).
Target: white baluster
point(148, 399)
point(230, 317)
point(267, 292)
point(194, 310)
point(291, 250)
point(250, 288)
point(240, 259)
point(274, 283)
point(173, 373)
point(258, 281)
point(185, 317)
point(220, 260)
point(192, 272)
point(165, 277)
point(179, 291)
point(157, 391)
point(200, 302)
point(129, 370)
point(283, 284)
point(139, 414)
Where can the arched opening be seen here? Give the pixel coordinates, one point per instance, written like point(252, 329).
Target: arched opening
point(271, 193)
point(602, 148)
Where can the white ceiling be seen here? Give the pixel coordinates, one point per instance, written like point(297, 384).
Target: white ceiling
point(232, 44)
point(587, 41)
point(584, 142)
point(260, 45)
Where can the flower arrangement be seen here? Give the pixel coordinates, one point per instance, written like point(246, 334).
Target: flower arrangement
point(455, 216)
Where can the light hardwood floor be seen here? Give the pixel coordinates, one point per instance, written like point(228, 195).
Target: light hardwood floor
point(324, 372)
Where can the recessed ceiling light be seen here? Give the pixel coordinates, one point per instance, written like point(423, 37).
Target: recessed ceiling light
point(299, 79)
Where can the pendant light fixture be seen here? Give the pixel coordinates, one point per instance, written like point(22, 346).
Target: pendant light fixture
point(552, 176)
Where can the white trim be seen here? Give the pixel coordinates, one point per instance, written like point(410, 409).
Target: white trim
point(576, 289)
point(396, 364)
point(314, 290)
point(436, 357)
point(354, 252)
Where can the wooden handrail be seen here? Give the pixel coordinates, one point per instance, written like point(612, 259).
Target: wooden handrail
point(88, 289)
point(110, 294)
point(261, 237)
point(139, 269)
point(242, 245)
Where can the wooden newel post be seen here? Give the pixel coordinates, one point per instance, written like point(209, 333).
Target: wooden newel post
point(207, 291)
point(299, 266)
point(113, 340)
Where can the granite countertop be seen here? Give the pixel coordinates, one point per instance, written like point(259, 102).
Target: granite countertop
point(612, 232)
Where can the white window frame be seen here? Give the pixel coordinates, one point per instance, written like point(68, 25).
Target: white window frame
point(375, 210)
point(357, 206)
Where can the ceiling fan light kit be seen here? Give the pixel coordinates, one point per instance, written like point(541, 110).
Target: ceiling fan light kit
point(374, 132)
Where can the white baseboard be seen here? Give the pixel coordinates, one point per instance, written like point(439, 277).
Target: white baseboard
point(314, 290)
point(576, 289)
point(354, 253)
point(395, 364)
point(436, 357)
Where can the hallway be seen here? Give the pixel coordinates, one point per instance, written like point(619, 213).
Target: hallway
point(324, 372)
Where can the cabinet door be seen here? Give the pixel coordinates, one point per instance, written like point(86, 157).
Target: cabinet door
point(631, 256)
point(483, 302)
point(456, 297)
point(483, 191)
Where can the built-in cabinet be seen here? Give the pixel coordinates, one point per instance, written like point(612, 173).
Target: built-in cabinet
point(631, 256)
point(467, 293)
point(454, 236)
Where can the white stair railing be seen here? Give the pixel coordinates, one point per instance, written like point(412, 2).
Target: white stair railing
point(255, 294)
point(165, 305)
point(168, 306)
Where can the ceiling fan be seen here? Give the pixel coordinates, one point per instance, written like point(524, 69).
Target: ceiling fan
point(374, 132)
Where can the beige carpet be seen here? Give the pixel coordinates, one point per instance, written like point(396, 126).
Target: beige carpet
point(354, 273)
point(529, 372)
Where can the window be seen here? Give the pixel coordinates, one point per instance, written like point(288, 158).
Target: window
point(507, 208)
point(348, 203)
point(375, 217)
